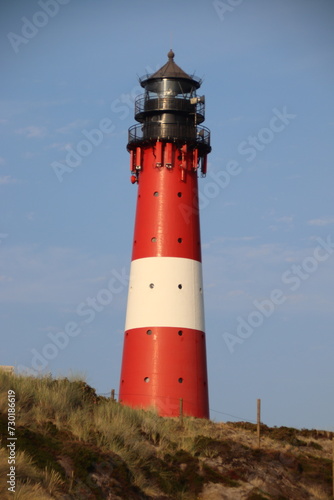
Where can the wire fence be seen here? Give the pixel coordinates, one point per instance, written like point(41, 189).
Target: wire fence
point(238, 418)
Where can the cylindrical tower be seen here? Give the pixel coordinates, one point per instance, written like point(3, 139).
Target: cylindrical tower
point(164, 356)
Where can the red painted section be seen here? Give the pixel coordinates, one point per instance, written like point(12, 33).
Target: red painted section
point(167, 215)
point(162, 365)
point(132, 166)
point(158, 154)
point(160, 368)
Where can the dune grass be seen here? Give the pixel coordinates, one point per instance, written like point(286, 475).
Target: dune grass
point(75, 444)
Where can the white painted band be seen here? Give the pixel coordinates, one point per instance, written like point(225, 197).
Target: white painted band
point(165, 291)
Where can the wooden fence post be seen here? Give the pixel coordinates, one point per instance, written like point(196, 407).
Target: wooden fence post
point(181, 411)
point(258, 422)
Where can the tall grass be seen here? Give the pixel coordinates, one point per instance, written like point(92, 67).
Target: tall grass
point(31, 482)
point(44, 398)
point(150, 446)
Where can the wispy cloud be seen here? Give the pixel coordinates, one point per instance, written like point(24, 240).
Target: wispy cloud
point(5, 279)
point(236, 274)
point(72, 126)
point(30, 216)
point(321, 222)
point(38, 275)
point(237, 118)
point(218, 241)
point(285, 222)
point(59, 146)
point(7, 179)
point(15, 108)
point(286, 219)
point(236, 293)
point(32, 132)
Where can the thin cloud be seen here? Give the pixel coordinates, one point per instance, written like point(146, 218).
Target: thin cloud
point(7, 179)
point(250, 271)
point(28, 155)
point(30, 216)
point(32, 132)
point(59, 146)
point(228, 239)
point(6, 279)
point(236, 293)
point(321, 222)
point(72, 126)
point(37, 275)
point(285, 219)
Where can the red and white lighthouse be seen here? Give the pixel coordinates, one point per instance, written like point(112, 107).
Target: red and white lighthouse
point(164, 356)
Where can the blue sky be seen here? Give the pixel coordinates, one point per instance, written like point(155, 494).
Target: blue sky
point(69, 73)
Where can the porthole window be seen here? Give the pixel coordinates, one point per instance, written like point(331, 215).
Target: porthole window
point(153, 239)
point(179, 240)
point(180, 332)
point(180, 380)
point(179, 286)
point(147, 379)
point(179, 194)
point(155, 193)
point(151, 285)
point(149, 332)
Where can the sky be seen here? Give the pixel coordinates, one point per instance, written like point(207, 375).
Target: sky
point(69, 77)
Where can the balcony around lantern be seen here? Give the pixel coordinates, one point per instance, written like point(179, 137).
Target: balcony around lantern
point(150, 132)
point(146, 105)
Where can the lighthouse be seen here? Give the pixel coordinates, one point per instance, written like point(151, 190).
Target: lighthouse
point(164, 353)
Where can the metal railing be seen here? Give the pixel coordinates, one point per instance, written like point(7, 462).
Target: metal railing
point(169, 132)
point(145, 104)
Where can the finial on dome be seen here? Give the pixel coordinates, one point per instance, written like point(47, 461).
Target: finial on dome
point(171, 54)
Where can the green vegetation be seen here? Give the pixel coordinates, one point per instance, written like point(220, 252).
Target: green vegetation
point(73, 444)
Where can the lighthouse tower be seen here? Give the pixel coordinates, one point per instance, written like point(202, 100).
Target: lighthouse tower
point(164, 356)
